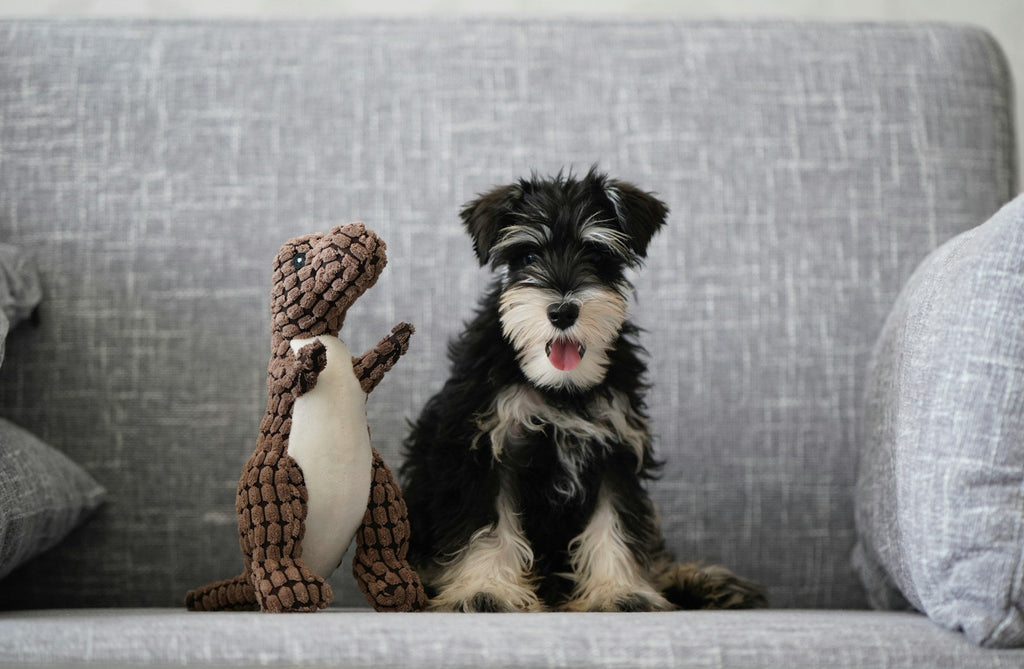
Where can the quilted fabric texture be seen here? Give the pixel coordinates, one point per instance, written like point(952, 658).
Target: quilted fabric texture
point(156, 167)
point(43, 496)
point(940, 494)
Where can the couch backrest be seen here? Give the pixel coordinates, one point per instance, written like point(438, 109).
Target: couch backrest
point(154, 169)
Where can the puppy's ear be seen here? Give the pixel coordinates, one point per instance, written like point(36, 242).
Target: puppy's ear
point(638, 213)
point(485, 216)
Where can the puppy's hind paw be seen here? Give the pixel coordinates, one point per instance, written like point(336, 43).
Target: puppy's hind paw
point(697, 586)
point(636, 603)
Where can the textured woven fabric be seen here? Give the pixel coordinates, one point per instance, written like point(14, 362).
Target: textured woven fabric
point(20, 291)
point(940, 493)
point(838, 640)
point(43, 496)
point(156, 167)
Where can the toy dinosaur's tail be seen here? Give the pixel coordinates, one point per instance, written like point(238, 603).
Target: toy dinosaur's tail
point(233, 594)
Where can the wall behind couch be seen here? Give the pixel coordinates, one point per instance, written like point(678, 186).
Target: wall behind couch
point(1003, 18)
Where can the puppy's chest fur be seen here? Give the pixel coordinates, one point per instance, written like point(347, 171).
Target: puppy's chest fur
point(521, 415)
point(555, 455)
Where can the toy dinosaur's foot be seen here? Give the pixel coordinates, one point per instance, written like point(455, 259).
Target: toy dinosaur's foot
point(286, 586)
point(389, 584)
point(380, 567)
point(233, 594)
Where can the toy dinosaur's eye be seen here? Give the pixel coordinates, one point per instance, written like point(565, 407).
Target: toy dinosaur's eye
point(299, 260)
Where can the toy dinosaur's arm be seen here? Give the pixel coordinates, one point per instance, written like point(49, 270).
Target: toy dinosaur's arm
point(371, 366)
point(297, 372)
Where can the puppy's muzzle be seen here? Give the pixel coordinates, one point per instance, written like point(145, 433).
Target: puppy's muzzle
point(563, 352)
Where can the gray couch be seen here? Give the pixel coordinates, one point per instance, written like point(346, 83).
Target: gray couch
point(150, 170)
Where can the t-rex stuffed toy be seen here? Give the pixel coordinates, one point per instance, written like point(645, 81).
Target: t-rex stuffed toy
point(314, 481)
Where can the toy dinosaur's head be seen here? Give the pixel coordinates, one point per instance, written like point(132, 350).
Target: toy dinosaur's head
point(317, 278)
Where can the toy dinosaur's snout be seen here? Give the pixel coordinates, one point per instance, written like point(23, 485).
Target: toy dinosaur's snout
point(318, 277)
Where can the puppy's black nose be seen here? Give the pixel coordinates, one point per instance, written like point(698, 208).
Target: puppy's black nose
point(563, 315)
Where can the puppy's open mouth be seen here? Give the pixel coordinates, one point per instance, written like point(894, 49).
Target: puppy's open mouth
point(565, 354)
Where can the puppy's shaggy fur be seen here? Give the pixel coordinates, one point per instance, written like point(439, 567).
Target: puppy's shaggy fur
point(526, 474)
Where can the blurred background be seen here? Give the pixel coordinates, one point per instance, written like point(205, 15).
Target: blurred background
point(1003, 18)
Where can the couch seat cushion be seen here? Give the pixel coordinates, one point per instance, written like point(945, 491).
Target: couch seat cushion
point(362, 638)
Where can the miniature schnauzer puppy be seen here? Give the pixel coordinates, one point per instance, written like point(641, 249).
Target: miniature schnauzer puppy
point(526, 474)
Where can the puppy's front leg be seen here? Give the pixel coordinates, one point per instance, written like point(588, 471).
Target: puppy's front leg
point(608, 576)
point(492, 572)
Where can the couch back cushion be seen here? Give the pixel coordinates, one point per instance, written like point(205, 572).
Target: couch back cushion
point(155, 168)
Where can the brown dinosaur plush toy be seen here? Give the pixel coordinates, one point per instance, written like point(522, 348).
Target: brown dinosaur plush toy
point(314, 481)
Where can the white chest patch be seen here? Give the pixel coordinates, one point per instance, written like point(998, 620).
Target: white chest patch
point(518, 410)
point(330, 442)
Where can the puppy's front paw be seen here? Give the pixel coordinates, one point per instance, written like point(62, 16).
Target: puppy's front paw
point(484, 602)
point(622, 601)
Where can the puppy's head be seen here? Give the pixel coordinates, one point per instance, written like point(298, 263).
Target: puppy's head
point(564, 245)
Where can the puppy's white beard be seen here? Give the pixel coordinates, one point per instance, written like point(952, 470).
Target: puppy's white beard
point(524, 322)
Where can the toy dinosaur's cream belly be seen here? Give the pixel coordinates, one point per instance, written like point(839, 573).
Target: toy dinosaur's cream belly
point(331, 444)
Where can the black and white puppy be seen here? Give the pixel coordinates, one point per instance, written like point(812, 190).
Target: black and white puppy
point(525, 475)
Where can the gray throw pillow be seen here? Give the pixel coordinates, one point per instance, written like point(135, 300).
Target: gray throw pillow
point(940, 486)
point(43, 496)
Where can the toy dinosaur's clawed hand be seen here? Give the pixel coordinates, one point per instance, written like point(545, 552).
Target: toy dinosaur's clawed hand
point(371, 366)
point(311, 360)
point(296, 372)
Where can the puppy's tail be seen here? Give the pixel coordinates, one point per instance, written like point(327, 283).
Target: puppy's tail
point(693, 585)
point(233, 594)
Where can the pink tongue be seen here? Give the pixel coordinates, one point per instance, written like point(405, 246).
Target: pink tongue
point(565, 355)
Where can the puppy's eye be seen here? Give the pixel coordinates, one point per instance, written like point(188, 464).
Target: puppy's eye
point(299, 260)
point(522, 260)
